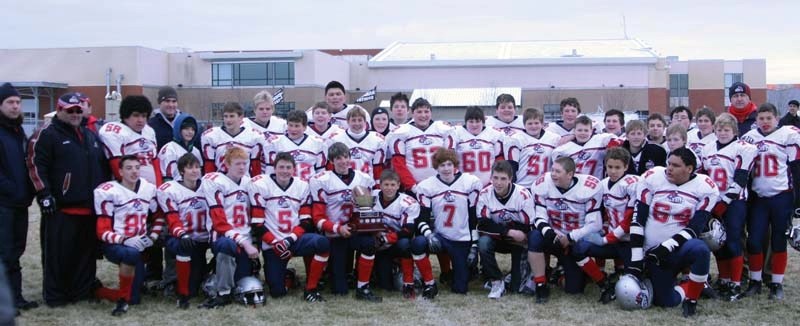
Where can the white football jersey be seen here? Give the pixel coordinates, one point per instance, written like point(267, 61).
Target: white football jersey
point(119, 139)
point(224, 194)
point(309, 155)
point(617, 199)
point(534, 155)
point(326, 135)
point(672, 206)
point(721, 163)
point(282, 208)
point(366, 152)
point(775, 150)
point(168, 159)
point(339, 118)
point(186, 210)
point(508, 128)
point(519, 208)
point(216, 141)
point(575, 211)
point(450, 203)
point(696, 142)
point(590, 157)
point(477, 153)
point(417, 146)
point(127, 209)
point(275, 127)
point(328, 189)
point(403, 210)
point(557, 127)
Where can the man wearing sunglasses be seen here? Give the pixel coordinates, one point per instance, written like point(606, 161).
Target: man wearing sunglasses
point(66, 163)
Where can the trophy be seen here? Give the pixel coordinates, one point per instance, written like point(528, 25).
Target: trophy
point(365, 219)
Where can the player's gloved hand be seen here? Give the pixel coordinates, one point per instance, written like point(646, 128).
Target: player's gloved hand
point(385, 239)
point(282, 248)
point(257, 232)
point(47, 204)
point(135, 242)
point(472, 257)
point(635, 268)
point(658, 254)
point(434, 244)
point(186, 243)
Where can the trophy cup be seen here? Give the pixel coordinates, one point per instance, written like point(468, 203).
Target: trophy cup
point(365, 219)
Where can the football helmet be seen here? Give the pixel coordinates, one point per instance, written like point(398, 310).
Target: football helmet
point(793, 233)
point(249, 291)
point(715, 235)
point(633, 294)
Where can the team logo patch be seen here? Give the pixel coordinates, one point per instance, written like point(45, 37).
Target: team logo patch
point(539, 149)
point(196, 204)
point(642, 300)
point(560, 205)
point(137, 205)
point(241, 197)
point(584, 155)
point(448, 196)
point(762, 146)
point(673, 197)
point(505, 216)
point(474, 144)
point(143, 143)
point(298, 156)
point(347, 196)
point(355, 154)
point(508, 131)
point(607, 202)
point(714, 161)
point(425, 140)
point(282, 202)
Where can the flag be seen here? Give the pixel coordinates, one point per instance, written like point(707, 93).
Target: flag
point(368, 96)
point(278, 97)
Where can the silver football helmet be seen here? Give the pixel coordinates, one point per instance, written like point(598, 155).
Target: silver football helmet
point(249, 291)
point(633, 294)
point(715, 235)
point(793, 233)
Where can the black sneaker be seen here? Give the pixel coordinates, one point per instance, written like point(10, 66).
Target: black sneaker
point(753, 289)
point(120, 309)
point(364, 293)
point(23, 304)
point(556, 275)
point(446, 278)
point(313, 296)
point(775, 291)
point(607, 291)
point(217, 302)
point(430, 291)
point(689, 308)
point(709, 292)
point(183, 302)
point(542, 293)
point(409, 292)
point(733, 291)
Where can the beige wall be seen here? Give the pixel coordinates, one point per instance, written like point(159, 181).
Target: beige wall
point(706, 74)
point(754, 72)
point(626, 99)
point(74, 66)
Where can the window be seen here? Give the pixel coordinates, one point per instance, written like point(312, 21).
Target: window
point(678, 90)
point(252, 74)
point(283, 108)
point(729, 80)
point(552, 112)
point(216, 112)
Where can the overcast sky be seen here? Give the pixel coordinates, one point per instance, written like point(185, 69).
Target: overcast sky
point(689, 29)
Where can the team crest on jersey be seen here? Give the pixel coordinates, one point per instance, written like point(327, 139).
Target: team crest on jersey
point(448, 196)
point(195, 204)
point(298, 156)
point(649, 164)
point(474, 144)
point(241, 197)
point(282, 202)
point(355, 154)
point(607, 200)
point(561, 205)
point(714, 161)
point(143, 144)
point(347, 195)
point(673, 197)
point(538, 148)
point(425, 140)
point(696, 149)
point(762, 146)
point(506, 216)
point(584, 155)
point(137, 205)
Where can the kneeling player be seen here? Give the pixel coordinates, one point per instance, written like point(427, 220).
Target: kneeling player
point(227, 196)
point(450, 198)
point(504, 213)
point(186, 213)
point(123, 209)
point(672, 209)
point(284, 202)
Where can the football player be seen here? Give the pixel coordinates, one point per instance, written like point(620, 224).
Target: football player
point(183, 142)
point(614, 120)
point(570, 109)
point(229, 209)
point(265, 122)
point(321, 125)
point(777, 161)
point(216, 141)
point(448, 200)
point(587, 150)
point(331, 210)
point(478, 147)
point(335, 98)
point(655, 130)
point(186, 212)
point(728, 162)
point(308, 151)
point(681, 115)
point(284, 202)
point(704, 133)
point(132, 136)
point(399, 107)
point(535, 146)
point(644, 155)
point(123, 210)
point(367, 148)
point(567, 211)
point(676, 138)
point(506, 118)
point(673, 207)
point(505, 215)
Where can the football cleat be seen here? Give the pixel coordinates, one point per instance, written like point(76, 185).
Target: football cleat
point(528, 288)
point(775, 291)
point(409, 292)
point(120, 309)
point(542, 292)
point(689, 308)
point(607, 291)
point(446, 278)
point(430, 291)
point(498, 289)
point(217, 302)
point(556, 275)
point(313, 296)
point(364, 293)
point(709, 292)
point(753, 289)
point(733, 291)
point(183, 302)
point(26, 305)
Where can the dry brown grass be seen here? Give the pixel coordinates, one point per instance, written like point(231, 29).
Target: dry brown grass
point(447, 309)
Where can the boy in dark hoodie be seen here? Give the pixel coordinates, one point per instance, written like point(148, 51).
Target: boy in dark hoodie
point(183, 141)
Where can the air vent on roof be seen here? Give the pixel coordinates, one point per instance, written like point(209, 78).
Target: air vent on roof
point(574, 54)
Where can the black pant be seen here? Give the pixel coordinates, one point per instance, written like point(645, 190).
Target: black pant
point(69, 257)
point(13, 237)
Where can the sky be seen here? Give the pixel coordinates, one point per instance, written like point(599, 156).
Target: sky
point(729, 29)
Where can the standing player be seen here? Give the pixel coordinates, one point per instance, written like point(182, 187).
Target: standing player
point(772, 204)
point(184, 138)
point(335, 97)
point(216, 141)
point(729, 162)
point(567, 210)
point(322, 126)
point(412, 145)
point(672, 209)
point(644, 155)
point(535, 147)
point(704, 133)
point(284, 202)
point(614, 121)
point(399, 106)
point(132, 136)
point(449, 197)
point(588, 151)
point(367, 148)
point(308, 151)
point(229, 208)
point(265, 122)
point(681, 115)
point(505, 215)
point(123, 209)
point(570, 109)
point(506, 118)
point(332, 207)
point(655, 130)
point(380, 122)
point(478, 147)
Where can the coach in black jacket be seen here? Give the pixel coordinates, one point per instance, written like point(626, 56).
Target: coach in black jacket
point(66, 164)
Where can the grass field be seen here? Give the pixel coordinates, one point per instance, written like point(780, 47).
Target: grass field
point(447, 309)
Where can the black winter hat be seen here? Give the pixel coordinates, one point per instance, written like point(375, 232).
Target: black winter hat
point(166, 92)
point(6, 91)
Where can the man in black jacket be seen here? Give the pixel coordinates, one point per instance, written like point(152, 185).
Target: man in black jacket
point(16, 192)
point(164, 117)
point(66, 164)
point(791, 118)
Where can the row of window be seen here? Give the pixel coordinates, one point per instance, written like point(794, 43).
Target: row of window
point(679, 88)
point(252, 74)
point(281, 109)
